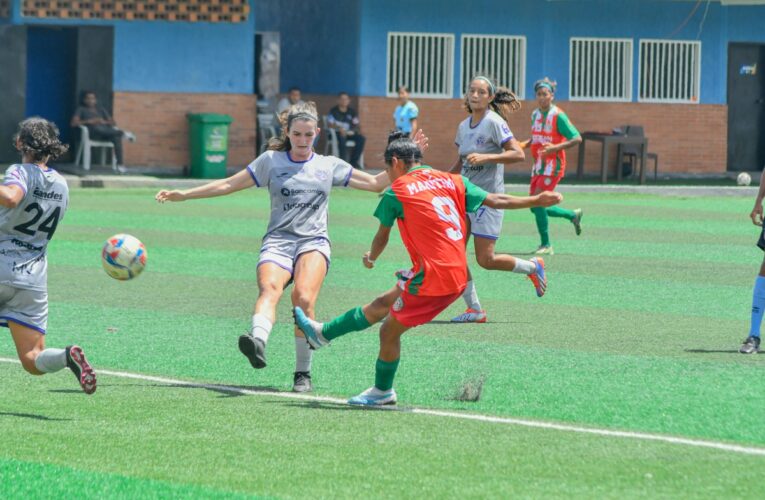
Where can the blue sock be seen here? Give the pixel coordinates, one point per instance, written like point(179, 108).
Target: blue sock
point(758, 305)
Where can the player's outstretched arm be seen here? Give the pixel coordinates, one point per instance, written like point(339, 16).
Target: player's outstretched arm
point(368, 182)
point(509, 202)
point(237, 182)
point(379, 243)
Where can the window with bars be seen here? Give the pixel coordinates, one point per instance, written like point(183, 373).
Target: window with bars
point(669, 71)
point(600, 69)
point(423, 62)
point(500, 58)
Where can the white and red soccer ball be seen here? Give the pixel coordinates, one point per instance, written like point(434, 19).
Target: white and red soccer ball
point(123, 257)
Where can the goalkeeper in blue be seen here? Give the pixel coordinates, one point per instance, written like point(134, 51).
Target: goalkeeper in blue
point(752, 343)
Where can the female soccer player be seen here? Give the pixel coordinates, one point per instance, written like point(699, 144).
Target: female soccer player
point(405, 115)
point(551, 134)
point(485, 144)
point(430, 208)
point(33, 199)
point(751, 344)
point(296, 246)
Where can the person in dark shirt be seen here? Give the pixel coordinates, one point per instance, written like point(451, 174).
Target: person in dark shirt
point(345, 121)
point(101, 125)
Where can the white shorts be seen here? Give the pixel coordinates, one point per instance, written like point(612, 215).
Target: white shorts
point(486, 222)
point(284, 252)
point(26, 307)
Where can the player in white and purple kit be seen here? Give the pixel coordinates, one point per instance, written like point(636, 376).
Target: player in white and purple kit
point(33, 199)
point(485, 145)
point(296, 245)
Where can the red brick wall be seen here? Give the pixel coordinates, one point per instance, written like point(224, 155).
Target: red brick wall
point(159, 122)
point(688, 138)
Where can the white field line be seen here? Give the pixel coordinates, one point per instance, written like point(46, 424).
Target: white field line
point(537, 424)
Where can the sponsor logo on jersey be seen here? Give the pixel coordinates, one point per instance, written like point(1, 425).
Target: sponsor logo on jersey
point(292, 192)
point(24, 244)
point(47, 195)
point(398, 305)
point(321, 175)
point(480, 141)
point(300, 206)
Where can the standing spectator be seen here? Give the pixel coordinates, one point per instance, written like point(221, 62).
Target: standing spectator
point(406, 113)
point(345, 121)
point(101, 125)
point(293, 97)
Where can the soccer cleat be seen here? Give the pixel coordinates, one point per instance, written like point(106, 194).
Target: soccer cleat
point(75, 360)
point(310, 328)
point(577, 221)
point(538, 277)
point(254, 349)
point(302, 382)
point(374, 397)
point(471, 316)
point(544, 250)
point(751, 345)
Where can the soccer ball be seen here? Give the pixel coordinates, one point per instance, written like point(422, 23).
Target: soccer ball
point(743, 179)
point(123, 257)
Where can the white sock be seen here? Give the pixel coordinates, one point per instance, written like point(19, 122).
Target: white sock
point(524, 266)
point(261, 327)
point(471, 296)
point(303, 355)
point(51, 360)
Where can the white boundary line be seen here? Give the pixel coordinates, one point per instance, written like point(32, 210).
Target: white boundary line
point(537, 424)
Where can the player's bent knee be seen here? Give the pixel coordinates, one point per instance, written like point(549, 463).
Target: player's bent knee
point(28, 363)
point(486, 261)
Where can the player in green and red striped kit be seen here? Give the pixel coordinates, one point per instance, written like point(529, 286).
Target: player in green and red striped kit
point(551, 134)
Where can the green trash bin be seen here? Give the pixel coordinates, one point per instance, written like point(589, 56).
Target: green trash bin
point(208, 139)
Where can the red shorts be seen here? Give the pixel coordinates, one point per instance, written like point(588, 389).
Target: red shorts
point(415, 310)
point(544, 183)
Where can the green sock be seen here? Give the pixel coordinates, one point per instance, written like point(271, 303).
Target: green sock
point(561, 212)
point(351, 321)
point(385, 372)
point(542, 225)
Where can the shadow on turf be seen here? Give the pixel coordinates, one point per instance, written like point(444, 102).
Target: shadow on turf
point(325, 405)
point(32, 416)
point(446, 322)
point(227, 393)
point(715, 351)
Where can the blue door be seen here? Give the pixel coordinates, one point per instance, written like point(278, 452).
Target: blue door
point(52, 75)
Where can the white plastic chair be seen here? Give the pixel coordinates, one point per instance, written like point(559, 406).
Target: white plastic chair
point(332, 146)
point(266, 129)
point(84, 153)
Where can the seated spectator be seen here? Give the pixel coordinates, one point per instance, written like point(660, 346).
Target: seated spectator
point(101, 125)
point(345, 121)
point(406, 113)
point(293, 97)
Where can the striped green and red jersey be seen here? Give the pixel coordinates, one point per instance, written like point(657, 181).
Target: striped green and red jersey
point(430, 207)
point(551, 126)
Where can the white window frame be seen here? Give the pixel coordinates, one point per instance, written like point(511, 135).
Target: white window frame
point(499, 75)
point(593, 89)
point(676, 79)
point(421, 83)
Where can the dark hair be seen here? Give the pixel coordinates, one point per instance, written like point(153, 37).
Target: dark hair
point(292, 89)
point(39, 140)
point(84, 94)
point(403, 148)
point(504, 102)
point(545, 82)
point(302, 111)
point(404, 88)
point(341, 94)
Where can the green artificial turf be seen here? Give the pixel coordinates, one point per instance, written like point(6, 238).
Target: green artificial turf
point(639, 331)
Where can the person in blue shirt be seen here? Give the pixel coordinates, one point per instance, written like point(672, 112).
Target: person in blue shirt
point(405, 115)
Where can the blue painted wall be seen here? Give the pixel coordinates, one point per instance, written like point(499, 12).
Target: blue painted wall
point(319, 43)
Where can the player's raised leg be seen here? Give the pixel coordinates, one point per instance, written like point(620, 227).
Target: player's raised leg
point(310, 270)
point(271, 282)
point(319, 334)
point(37, 360)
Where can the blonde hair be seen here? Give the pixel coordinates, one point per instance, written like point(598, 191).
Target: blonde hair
point(302, 111)
point(504, 102)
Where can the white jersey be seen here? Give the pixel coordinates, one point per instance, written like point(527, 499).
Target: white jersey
point(299, 191)
point(488, 137)
point(26, 230)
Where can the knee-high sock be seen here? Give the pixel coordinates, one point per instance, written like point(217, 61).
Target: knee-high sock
point(350, 321)
point(303, 355)
point(51, 360)
point(542, 224)
point(385, 372)
point(758, 305)
point(560, 212)
point(471, 296)
point(261, 327)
